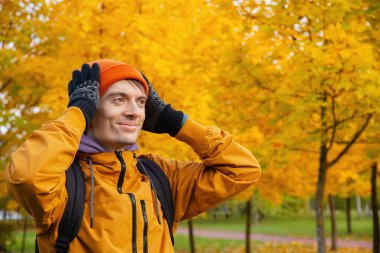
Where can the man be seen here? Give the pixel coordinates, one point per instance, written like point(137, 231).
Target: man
point(109, 103)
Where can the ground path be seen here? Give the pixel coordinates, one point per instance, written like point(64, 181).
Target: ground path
point(273, 238)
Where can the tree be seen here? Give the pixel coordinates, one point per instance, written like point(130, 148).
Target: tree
point(312, 78)
point(23, 38)
point(376, 233)
point(295, 81)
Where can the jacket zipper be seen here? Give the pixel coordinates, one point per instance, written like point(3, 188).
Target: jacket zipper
point(120, 181)
point(133, 200)
point(145, 235)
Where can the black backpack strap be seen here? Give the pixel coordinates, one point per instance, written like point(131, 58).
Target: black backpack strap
point(72, 216)
point(162, 185)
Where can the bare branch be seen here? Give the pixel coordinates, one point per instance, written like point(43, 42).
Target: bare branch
point(304, 150)
point(339, 122)
point(258, 82)
point(364, 141)
point(5, 84)
point(352, 141)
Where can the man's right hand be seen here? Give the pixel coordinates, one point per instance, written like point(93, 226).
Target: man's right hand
point(84, 90)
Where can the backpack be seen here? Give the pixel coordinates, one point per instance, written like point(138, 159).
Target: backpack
point(72, 216)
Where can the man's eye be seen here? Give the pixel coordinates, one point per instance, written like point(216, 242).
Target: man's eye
point(119, 99)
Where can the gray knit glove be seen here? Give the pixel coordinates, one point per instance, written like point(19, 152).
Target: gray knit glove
point(159, 116)
point(84, 90)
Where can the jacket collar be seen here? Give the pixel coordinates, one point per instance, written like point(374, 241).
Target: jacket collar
point(90, 146)
point(109, 158)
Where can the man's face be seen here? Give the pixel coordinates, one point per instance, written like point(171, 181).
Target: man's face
point(119, 116)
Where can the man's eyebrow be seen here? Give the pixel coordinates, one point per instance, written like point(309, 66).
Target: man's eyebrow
point(119, 93)
point(116, 94)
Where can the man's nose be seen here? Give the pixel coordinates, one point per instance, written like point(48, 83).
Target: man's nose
point(131, 109)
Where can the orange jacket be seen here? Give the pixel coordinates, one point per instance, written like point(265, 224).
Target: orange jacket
point(36, 179)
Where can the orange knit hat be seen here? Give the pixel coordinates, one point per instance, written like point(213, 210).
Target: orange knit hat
point(112, 71)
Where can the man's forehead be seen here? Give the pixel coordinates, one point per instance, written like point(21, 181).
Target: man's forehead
point(126, 87)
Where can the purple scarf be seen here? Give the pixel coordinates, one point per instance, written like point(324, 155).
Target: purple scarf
point(90, 146)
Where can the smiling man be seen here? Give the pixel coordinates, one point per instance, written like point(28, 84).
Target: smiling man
point(120, 115)
point(124, 208)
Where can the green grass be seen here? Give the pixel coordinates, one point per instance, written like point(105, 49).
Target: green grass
point(182, 244)
point(15, 245)
point(298, 226)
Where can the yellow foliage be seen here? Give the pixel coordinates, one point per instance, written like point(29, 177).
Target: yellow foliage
point(257, 69)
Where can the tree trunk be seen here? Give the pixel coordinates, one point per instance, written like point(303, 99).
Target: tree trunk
point(375, 216)
point(319, 211)
point(322, 171)
point(348, 215)
point(25, 229)
point(248, 227)
point(358, 206)
point(334, 235)
point(319, 200)
point(191, 236)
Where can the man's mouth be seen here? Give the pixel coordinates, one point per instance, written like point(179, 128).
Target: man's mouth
point(129, 126)
point(129, 123)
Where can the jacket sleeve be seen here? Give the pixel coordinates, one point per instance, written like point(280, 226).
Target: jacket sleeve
point(35, 174)
point(226, 168)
